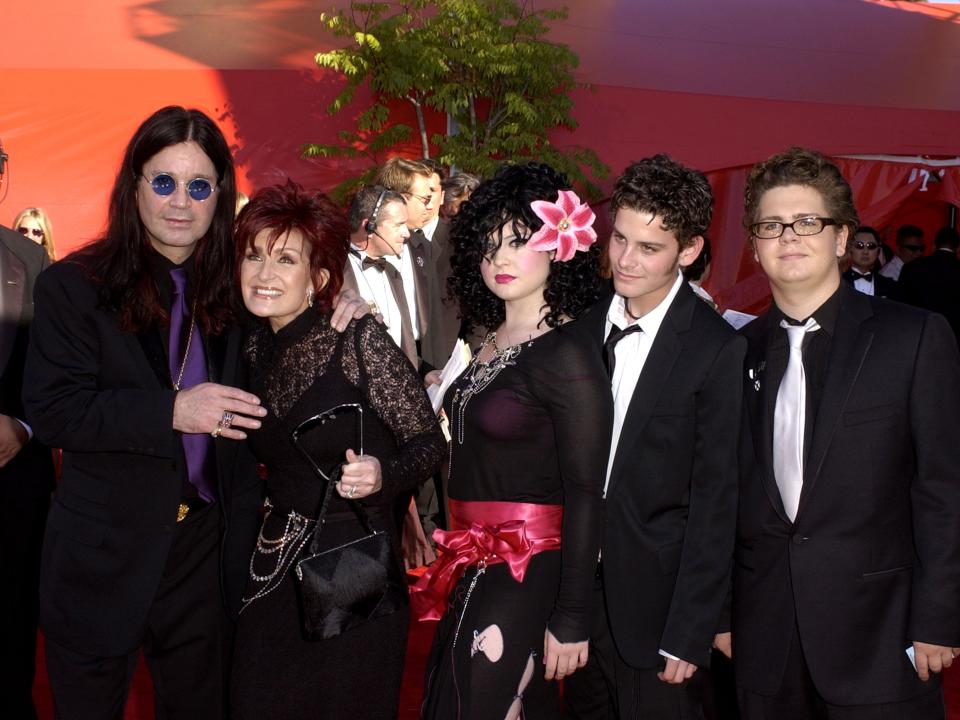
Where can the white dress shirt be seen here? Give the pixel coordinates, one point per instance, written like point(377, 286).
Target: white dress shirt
point(864, 284)
point(430, 228)
point(892, 269)
point(375, 288)
point(405, 265)
point(631, 355)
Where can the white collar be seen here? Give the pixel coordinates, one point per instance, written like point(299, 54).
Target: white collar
point(649, 323)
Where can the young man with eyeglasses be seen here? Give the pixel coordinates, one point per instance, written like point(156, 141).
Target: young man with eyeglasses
point(862, 274)
point(910, 246)
point(847, 554)
point(434, 322)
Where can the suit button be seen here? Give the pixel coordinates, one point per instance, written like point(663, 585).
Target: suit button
point(799, 539)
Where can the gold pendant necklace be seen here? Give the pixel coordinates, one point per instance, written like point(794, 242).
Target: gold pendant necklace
point(186, 352)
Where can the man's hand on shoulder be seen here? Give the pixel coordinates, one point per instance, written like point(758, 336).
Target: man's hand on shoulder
point(348, 306)
point(13, 436)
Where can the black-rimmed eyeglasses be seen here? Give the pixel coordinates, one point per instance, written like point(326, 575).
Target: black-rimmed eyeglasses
point(770, 230)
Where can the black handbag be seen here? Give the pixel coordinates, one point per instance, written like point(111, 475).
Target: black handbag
point(353, 583)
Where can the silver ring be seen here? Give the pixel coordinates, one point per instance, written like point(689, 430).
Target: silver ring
point(353, 489)
point(226, 420)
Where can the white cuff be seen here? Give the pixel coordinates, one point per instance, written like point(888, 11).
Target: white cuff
point(26, 427)
point(668, 655)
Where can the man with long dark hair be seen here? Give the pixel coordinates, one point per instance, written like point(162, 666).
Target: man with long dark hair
point(133, 370)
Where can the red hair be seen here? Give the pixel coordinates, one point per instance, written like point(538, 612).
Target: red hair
point(282, 208)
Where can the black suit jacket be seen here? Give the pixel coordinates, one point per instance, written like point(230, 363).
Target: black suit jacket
point(933, 283)
point(672, 498)
point(105, 397)
point(872, 562)
point(30, 472)
point(444, 316)
point(883, 286)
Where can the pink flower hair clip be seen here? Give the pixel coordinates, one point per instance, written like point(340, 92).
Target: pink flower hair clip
point(567, 226)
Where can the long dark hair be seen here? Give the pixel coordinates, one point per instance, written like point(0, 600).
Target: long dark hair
point(118, 260)
point(504, 201)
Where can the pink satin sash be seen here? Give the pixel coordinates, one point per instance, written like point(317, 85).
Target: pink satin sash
point(488, 533)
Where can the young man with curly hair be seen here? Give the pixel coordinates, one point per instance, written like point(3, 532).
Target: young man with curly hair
point(671, 482)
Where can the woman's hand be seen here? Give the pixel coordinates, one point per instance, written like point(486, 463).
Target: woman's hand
point(360, 476)
point(563, 659)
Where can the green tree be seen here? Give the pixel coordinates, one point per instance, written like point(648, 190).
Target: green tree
point(485, 63)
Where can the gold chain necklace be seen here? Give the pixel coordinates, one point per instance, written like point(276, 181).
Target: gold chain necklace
point(186, 352)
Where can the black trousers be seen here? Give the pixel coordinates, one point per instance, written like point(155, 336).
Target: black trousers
point(22, 521)
point(607, 687)
point(798, 699)
point(185, 642)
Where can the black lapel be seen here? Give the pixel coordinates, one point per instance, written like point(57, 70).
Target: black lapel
point(663, 355)
point(148, 344)
point(420, 257)
point(848, 352)
point(760, 397)
point(12, 291)
point(228, 344)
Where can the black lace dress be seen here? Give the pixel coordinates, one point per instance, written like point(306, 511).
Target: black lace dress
point(300, 371)
point(530, 426)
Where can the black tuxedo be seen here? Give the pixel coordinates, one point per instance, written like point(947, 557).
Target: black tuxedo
point(883, 286)
point(25, 481)
point(872, 561)
point(933, 283)
point(443, 312)
point(671, 501)
point(105, 397)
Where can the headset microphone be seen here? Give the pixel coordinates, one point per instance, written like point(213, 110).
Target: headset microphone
point(371, 224)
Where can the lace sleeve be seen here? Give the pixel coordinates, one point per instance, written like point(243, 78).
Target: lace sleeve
point(396, 394)
point(573, 386)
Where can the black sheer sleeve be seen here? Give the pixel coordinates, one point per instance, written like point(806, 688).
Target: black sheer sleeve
point(396, 394)
point(573, 386)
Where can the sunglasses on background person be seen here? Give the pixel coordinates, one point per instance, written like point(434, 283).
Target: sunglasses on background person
point(860, 245)
point(36, 232)
point(198, 189)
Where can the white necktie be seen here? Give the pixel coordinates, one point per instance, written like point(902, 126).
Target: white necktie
point(789, 416)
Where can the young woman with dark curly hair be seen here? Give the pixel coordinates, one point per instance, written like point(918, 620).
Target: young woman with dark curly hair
point(530, 424)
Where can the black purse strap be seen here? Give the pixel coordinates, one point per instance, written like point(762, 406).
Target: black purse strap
point(331, 481)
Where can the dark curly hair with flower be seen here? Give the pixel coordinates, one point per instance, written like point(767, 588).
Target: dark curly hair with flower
point(503, 204)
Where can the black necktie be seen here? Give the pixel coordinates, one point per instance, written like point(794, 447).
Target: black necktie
point(407, 343)
point(609, 347)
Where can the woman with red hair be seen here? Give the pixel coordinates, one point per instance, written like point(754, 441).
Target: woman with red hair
point(292, 248)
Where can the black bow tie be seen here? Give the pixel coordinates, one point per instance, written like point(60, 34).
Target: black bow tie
point(378, 263)
point(857, 275)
